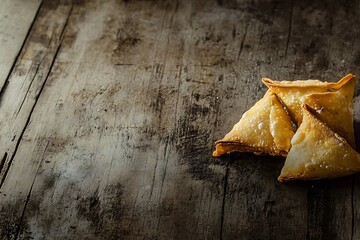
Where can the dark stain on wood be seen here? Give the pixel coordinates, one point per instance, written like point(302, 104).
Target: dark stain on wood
point(57, 145)
point(50, 4)
point(104, 214)
point(173, 226)
point(260, 10)
point(194, 143)
point(34, 208)
point(79, 2)
point(127, 41)
point(8, 221)
point(88, 208)
point(14, 226)
point(320, 197)
point(321, 62)
point(158, 103)
point(356, 60)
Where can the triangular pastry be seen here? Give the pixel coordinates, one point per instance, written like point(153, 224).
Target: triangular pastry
point(335, 110)
point(265, 128)
point(333, 101)
point(317, 152)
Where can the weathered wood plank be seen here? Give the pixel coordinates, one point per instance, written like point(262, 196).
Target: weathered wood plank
point(16, 17)
point(19, 99)
point(28, 78)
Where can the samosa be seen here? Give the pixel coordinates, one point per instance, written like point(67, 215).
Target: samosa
point(265, 128)
point(317, 152)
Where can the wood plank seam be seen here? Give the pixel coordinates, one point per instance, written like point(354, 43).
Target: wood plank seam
point(27, 91)
point(243, 41)
point(226, 177)
point(289, 31)
point(37, 97)
point(29, 194)
point(3, 160)
point(6, 83)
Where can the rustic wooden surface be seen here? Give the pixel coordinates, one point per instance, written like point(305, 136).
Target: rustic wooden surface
point(109, 111)
point(13, 31)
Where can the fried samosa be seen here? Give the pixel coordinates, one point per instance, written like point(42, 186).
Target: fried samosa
point(265, 128)
point(317, 152)
point(332, 101)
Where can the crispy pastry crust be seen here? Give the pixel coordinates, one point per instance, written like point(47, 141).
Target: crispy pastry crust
point(317, 152)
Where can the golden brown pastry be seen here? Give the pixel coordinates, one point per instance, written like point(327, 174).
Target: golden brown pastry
point(332, 101)
point(265, 128)
point(335, 110)
point(317, 152)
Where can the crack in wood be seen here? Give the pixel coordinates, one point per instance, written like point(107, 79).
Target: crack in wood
point(29, 194)
point(28, 89)
point(36, 101)
point(243, 41)
point(153, 179)
point(290, 24)
point(3, 160)
point(226, 177)
point(66, 21)
point(166, 157)
point(3, 88)
point(176, 6)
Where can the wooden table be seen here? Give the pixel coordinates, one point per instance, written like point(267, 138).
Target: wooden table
point(109, 111)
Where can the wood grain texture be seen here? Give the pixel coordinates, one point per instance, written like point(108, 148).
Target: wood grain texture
point(13, 31)
point(111, 110)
